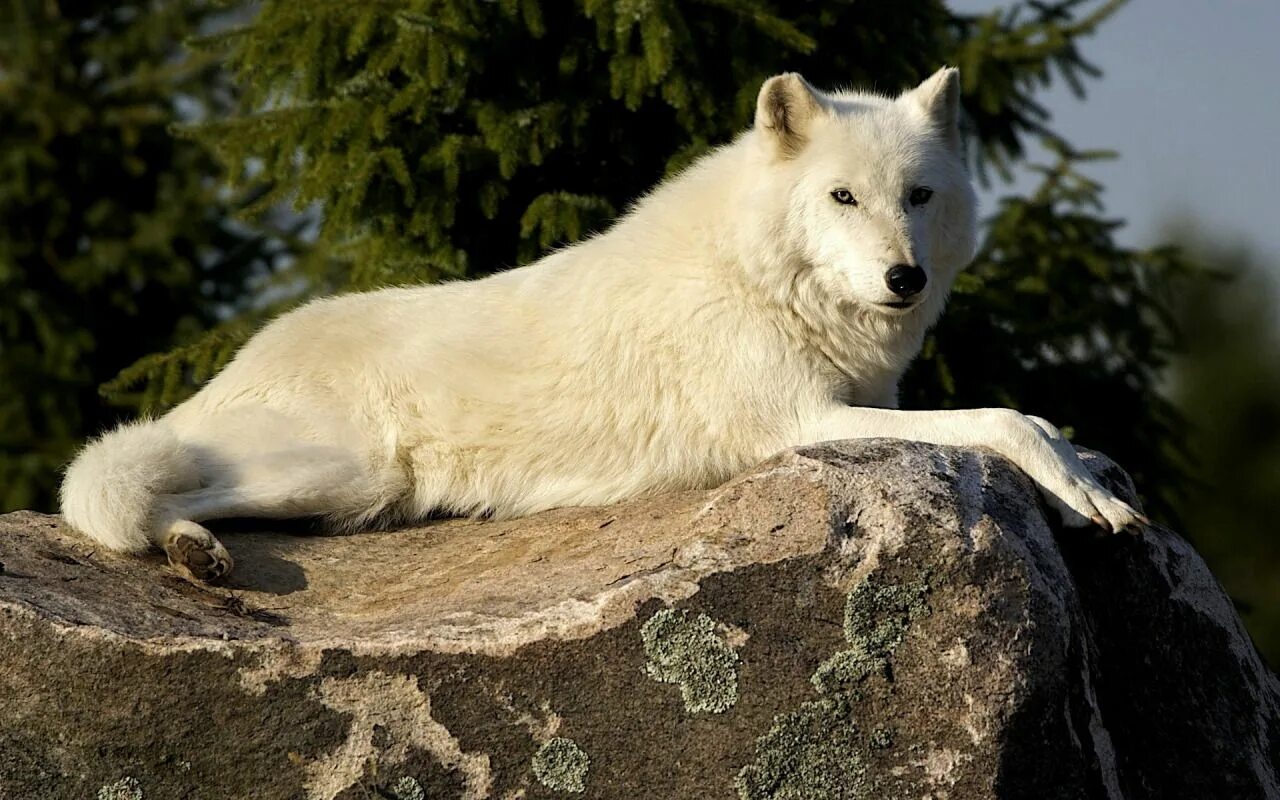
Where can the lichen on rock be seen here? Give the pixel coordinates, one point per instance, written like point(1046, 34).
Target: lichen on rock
point(688, 651)
point(124, 789)
point(876, 614)
point(812, 753)
point(818, 751)
point(881, 739)
point(876, 617)
point(845, 671)
point(562, 765)
point(408, 789)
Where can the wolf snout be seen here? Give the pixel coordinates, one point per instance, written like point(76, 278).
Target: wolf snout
point(905, 280)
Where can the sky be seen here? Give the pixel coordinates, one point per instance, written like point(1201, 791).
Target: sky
point(1190, 98)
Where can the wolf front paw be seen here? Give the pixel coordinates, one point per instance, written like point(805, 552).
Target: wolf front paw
point(1083, 502)
point(1070, 488)
point(195, 553)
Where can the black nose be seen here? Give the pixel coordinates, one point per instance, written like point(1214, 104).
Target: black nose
point(905, 280)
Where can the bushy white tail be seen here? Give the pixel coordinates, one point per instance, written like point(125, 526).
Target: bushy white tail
point(110, 489)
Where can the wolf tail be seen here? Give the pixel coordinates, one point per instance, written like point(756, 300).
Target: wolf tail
point(110, 489)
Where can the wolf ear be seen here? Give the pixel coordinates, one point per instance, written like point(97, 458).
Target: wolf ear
point(939, 98)
point(785, 110)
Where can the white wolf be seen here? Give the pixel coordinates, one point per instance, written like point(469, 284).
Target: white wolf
point(769, 296)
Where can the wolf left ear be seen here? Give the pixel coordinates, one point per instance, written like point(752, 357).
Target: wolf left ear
point(939, 98)
point(785, 108)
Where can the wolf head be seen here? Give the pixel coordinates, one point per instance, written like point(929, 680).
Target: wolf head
point(869, 194)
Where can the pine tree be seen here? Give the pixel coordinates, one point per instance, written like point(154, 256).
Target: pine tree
point(449, 138)
point(114, 241)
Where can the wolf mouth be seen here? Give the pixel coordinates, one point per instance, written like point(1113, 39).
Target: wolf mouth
point(899, 305)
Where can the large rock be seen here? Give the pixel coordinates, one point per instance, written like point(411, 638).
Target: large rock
point(856, 620)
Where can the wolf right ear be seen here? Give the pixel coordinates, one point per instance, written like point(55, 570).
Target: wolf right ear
point(939, 98)
point(785, 109)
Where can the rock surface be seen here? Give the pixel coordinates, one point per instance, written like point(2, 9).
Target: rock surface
point(868, 619)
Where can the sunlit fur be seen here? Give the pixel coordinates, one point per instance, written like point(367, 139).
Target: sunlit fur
point(730, 314)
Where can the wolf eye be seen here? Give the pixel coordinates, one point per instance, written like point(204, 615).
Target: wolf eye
point(920, 195)
point(844, 197)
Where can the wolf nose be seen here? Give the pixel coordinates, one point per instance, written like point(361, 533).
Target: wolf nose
point(905, 280)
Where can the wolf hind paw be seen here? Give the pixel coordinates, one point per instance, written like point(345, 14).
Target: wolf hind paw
point(195, 553)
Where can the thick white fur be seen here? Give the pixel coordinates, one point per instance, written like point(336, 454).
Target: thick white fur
point(732, 313)
point(110, 489)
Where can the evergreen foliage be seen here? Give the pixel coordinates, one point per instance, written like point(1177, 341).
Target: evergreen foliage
point(114, 241)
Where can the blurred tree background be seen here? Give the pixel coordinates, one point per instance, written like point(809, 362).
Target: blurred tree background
point(115, 240)
point(433, 139)
point(1228, 384)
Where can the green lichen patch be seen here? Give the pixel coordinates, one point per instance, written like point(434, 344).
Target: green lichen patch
point(561, 765)
point(844, 671)
point(881, 739)
point(814, 753)
point(123, 789)
point(818, 752)
point(686, 650)
point(408, 789)
point(876, 615)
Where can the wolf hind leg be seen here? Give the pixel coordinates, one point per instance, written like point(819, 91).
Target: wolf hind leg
point(303, 481)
